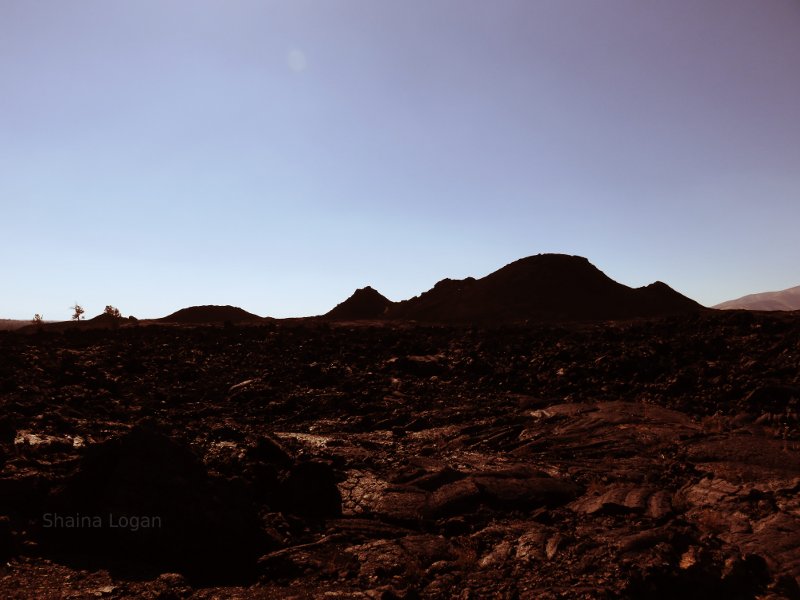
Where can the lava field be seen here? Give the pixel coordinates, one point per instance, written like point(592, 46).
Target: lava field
point(650, 458)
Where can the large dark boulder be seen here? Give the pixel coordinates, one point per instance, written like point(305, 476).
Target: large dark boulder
point(310, 491)
point(146, 499)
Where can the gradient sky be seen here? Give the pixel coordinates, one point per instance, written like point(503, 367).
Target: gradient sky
point(275, 155)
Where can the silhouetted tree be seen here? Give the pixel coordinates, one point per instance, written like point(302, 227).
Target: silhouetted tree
point(78, 314)
point(113, 311)
point(38, 319)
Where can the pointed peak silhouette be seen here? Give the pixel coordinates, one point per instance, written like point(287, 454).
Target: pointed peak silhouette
point(364, 303)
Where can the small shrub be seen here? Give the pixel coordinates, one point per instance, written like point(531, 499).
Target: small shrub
point(113, 311)
point(77, 315)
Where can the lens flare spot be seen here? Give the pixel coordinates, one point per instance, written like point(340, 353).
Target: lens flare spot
point(296, 60)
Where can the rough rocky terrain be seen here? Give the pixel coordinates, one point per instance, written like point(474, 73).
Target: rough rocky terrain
point(639, 459)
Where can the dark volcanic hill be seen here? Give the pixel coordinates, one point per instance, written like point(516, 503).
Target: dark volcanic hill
point(106, 319)
point(545, 287)
point(365, 303)
point(783, 300)
point(210, 314)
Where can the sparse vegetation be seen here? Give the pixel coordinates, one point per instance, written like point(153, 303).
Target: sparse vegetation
point(113, 311)
point(38, 319)
point(77, 315)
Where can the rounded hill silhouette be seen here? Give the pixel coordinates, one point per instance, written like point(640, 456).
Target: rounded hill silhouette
point(545, 287)
point(210, 314)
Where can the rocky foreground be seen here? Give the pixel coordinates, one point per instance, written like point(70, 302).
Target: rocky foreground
point(649, 459)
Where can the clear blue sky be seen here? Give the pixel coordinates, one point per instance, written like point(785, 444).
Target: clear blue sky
point(276, 155)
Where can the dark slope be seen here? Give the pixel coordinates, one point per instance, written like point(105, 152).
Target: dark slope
point(106, 319)
point(365, 303)
point(12, 324)
point(210, 314)
point(660, 299)
point(546, 287)
point(101, 321)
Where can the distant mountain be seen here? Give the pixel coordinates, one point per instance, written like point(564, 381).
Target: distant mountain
point(783, 300)
point(365, 303)
point(545, 287)
point(210, 314)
